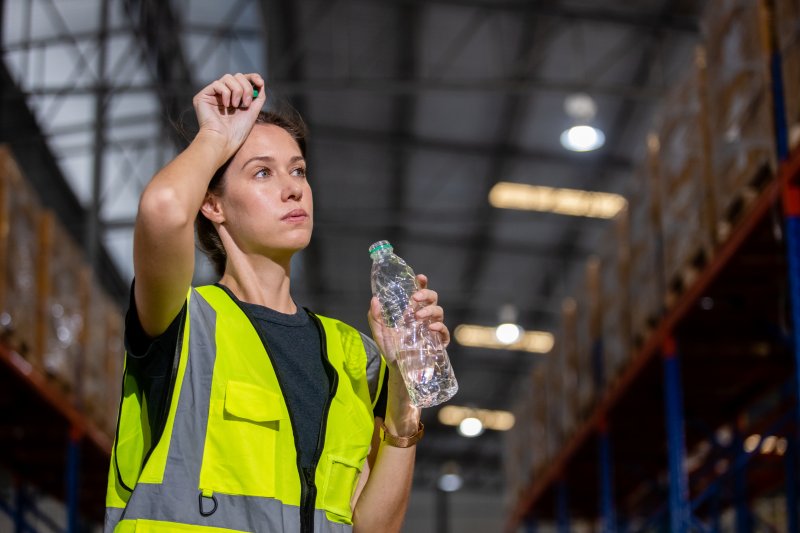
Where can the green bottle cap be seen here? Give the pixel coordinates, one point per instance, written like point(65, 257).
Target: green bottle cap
point(380, 245)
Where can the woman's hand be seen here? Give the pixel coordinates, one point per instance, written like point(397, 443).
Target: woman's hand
point(427, 300)
point(226, 109)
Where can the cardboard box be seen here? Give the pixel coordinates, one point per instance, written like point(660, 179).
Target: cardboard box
point(684, 177)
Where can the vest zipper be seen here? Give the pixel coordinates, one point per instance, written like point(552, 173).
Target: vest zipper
point(308, 504)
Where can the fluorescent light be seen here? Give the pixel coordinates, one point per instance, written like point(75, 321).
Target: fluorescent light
point(751, 443)
point(450, 482)
point(454, 415)
point(485, 337)
point(470, 427)
point(574, 202)
point(583, 138)
point(508, 333)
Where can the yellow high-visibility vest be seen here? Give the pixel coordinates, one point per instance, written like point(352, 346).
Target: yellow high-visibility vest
point(226, 459)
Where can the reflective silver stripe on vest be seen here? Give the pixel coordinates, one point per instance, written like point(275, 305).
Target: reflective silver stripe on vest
point(373, 365)
point(113, 516)
point(177, 498)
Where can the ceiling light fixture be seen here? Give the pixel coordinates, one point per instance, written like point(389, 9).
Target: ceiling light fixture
point(450, 479)
point(508, 332)
point(582, 136)
point(454, 415)
point(574, 202)
point(486, 337)
point(470, 427)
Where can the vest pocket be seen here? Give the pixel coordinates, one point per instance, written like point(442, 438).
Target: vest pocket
point(241, 441)
point(340, 486)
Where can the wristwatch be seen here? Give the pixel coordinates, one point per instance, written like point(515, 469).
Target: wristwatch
point(402, 442)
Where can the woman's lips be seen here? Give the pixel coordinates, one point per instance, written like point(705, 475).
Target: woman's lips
point(296, 215)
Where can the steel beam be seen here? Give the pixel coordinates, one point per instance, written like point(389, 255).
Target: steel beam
point(646, 20)
point(289, 86)
point(679, 507)
point(93, 229)
point(608, 518)
point(73, 480)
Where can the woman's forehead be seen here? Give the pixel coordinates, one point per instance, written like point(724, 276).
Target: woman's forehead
point(269, 140)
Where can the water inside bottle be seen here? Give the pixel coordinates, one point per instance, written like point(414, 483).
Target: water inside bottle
point(427, 375)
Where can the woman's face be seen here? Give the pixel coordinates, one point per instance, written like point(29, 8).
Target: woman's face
point(266, 200)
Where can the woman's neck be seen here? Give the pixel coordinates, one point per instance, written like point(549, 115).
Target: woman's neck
point(260, 280)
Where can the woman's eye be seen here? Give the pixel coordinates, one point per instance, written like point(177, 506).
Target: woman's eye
point(301, 172)
point(262, 173)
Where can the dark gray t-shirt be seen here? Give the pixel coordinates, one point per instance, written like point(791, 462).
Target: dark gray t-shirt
point(295, 350)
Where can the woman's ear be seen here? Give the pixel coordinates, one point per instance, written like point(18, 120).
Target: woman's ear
point(212, 208)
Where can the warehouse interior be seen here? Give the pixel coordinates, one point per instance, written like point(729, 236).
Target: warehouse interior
point(616, 183)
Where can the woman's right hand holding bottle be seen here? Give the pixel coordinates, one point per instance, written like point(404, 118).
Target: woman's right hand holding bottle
point(226, 110)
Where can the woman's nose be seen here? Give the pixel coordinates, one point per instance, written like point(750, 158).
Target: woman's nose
point(292, 190)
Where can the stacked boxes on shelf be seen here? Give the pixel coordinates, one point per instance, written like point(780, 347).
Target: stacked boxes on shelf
point(743, 153)
point(646, 279)
point(566, 373)
point(531, 442)
point(516, 455)
point(63, 304)
point(683, 176)
point(614, 308)
point(20, 221)
point(554, 373)
point(587, 356)
point(787, 29)
point(51, 311)
point(536, 438)
point(103, 362)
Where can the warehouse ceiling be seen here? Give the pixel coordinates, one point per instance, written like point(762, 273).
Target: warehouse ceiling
point(415, 108)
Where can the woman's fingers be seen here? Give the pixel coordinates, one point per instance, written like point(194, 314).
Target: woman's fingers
point(232, 91)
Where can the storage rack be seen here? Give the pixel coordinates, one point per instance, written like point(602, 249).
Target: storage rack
point(690, 427)
point(623, 441)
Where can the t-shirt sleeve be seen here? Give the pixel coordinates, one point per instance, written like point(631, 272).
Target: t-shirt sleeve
point(151, 358)
point(377, 376)
point(139, 345)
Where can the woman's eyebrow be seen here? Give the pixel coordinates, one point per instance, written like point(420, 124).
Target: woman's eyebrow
point(264, 158)
point(270, 159)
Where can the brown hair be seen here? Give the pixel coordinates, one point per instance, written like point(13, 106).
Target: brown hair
point(207, 237)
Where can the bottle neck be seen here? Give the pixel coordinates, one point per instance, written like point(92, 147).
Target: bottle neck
point(381, 254)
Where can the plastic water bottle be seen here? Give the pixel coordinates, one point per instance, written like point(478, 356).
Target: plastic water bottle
point(420, 353)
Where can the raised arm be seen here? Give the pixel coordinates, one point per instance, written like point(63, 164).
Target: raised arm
point(163, 239)
point(381, 498)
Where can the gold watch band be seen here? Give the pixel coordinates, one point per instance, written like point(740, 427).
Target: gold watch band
point(402, 442)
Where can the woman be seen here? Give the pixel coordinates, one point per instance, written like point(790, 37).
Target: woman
point(240, 410)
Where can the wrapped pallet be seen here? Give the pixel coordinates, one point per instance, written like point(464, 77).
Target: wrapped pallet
point(557, 396)
point(515, 455)
point(586, 364)
point(740, 104)
point(113, 366)
point(787, 28)
point(615, 328)
point(646, 263)
point(684, 176)
point(569, 368)
point(62, 314)
point(103, 361)
point(537, 434)
point(20, 266)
